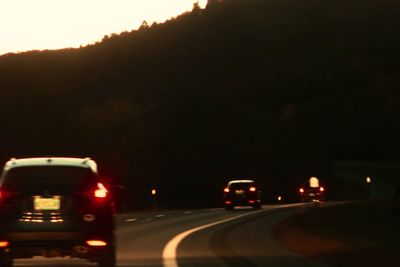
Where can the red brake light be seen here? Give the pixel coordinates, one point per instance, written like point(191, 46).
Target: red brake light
point(3, 195)
point(226, 190)
point(252, 189)
point(321, 189)
point(4, 244)
point(301, 190)
point(101, 191)
point(96, 243)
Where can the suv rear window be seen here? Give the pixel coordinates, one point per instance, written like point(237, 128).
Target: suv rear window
point(60, 178)
point(241, 186)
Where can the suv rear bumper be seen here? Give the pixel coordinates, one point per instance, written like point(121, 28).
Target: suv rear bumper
point(21, 237)
point(54, 244)
point(243, 201)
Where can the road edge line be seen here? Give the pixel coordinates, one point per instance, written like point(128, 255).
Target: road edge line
point(169, 251)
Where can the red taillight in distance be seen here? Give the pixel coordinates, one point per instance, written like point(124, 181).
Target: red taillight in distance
point(2, 195)
point(4, 244)
point(321, 189)
point(301, 190)
point(226, 190)
point(252, 189)
point(96, 243)
point(101, 191)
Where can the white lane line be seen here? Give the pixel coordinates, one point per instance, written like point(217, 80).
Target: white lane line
point(214, 209)
point(130, 220)
point(159, 216)
point(188, 212)
point(169, 252)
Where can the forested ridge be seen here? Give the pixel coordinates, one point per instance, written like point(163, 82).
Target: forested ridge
point(271, 90)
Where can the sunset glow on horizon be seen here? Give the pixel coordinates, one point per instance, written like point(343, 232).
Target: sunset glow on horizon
point(54, 24)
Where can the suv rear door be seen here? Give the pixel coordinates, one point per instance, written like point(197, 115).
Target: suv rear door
point(45, 197)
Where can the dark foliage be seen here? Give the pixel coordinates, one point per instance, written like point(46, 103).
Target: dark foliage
point(270, 90)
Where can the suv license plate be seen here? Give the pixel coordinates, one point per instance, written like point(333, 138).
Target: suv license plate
point(52, 203)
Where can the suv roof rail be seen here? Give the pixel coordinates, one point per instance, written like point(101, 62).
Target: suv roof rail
point(85, 160)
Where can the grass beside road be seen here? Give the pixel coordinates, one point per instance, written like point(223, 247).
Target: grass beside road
point(360, 233)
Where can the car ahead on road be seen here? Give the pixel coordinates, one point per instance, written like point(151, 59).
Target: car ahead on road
point(55, 207)
point(308, 193)
point(242, 193)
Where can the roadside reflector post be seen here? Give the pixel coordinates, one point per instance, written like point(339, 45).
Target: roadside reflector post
point(368, 180)
point(154, 193)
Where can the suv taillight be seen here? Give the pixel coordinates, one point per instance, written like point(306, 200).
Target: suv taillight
point(96, 243)
point(101, 191)
point(3, 195)
point(4, 244)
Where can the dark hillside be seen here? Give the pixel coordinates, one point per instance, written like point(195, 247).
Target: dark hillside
point(245, 88)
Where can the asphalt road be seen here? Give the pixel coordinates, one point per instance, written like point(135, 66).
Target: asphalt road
point(206, 238)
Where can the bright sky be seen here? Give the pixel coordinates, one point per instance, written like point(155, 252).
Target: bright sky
point(52, 24)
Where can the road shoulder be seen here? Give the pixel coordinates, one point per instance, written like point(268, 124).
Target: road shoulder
point(354, 234)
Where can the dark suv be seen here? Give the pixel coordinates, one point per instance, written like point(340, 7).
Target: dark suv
point(241, 193)
point(308, 193)
point(55, 207)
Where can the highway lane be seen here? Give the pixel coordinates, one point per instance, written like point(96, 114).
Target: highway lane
point(247, 241)
point(240, 237)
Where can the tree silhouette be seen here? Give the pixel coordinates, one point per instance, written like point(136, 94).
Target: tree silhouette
point(144, 25)
point(266, 89)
